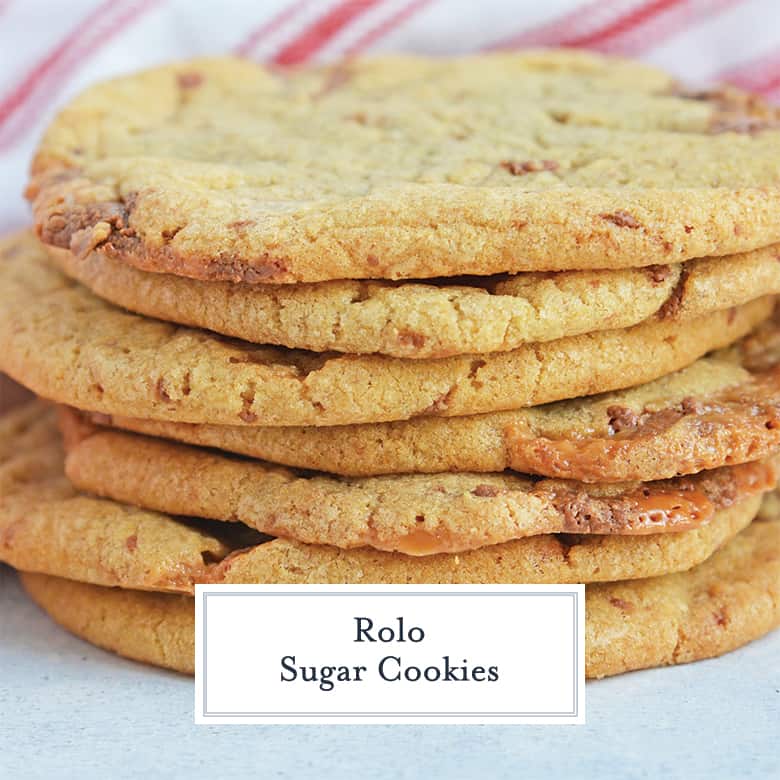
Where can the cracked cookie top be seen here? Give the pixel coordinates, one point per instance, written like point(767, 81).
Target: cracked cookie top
point(438, 318)
point(407, 167)
point(47, 526)
point(419, 514)
point(68, 345)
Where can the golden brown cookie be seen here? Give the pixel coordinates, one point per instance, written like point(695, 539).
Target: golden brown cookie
point(70, 346)
point(156, 628)
point(47, 527)
point(415, 320)
point(547, 558)
point(418, 514)
point(770, 505)
point(729, 600)
point(722, 409)
point(406, 167)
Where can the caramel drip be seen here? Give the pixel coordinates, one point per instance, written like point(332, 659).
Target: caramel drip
point(420, 542)
point(659, 507)
point(738, 424)
point(690, 508)
point(683, 509)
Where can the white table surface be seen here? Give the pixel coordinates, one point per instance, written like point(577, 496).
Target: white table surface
point(71, 710)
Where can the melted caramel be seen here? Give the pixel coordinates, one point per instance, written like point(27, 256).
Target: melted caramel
point(740, 423)
point(682, 509)
point(651, 509)
point(756, 477)
point(421, 542)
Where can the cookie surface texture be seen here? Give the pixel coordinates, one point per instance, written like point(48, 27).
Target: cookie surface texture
point(47, 527)
point(726, 602)
point(67, 345)
point(731, 599)
point(156, 628)
point(722, 409)
point(407, 167)
point(417, 514)
point(418, 320)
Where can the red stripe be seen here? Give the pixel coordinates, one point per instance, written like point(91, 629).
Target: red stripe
point(271, 26)
point(680, 17)
point(23, 106)
point(12, 101)
point(637, 17)
point(323, 30)
point(771, 87)
point(388, 25)
point(577, 22)
point(621, 27)
point(761, 74)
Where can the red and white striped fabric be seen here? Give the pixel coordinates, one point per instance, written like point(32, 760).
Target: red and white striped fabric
point(50, 51)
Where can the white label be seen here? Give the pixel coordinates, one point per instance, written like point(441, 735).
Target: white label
point(390, 654)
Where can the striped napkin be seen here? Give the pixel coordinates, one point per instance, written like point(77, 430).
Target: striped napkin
point(49, 51)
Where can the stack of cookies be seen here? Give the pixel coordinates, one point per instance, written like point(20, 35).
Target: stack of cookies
point(488, 320)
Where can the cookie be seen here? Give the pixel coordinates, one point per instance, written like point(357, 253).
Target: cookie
point(729, 600)
point(47, 527)
point(415, 320)
point(722, 409)
point(407, 167)
point(418, 514)
point(156, 628)
point(545, 558)
point(66, 344)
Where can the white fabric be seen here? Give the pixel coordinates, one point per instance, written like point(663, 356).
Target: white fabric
point(50, 51)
